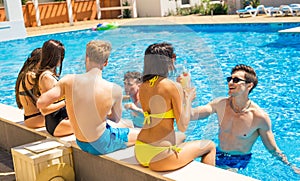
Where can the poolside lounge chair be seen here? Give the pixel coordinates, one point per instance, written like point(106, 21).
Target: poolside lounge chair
point(259, 9)
point(242, 12)
point(295, 8)
point(252, 11)
point(284, 10)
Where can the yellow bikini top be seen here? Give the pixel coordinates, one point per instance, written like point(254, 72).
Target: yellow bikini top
point(169, 114)
point(153, 80)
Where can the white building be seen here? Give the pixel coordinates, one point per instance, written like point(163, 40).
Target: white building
point(14, 27)
point(160, 8)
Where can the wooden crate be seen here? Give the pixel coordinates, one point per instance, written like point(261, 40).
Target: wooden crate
point(30, 159)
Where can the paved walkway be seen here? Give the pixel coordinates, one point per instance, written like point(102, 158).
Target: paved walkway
point(191, 19)
point(6, 166)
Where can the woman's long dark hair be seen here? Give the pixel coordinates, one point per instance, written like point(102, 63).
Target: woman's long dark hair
point(29, 65)
point(53, 51)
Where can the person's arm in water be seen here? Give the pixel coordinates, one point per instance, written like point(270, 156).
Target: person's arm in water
point(268, 140)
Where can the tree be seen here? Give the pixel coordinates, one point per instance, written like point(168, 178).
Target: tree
point(253, 3)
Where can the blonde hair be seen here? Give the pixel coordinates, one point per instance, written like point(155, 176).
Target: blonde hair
point(98, 51)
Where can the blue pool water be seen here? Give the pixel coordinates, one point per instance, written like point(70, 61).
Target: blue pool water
point(210, 51)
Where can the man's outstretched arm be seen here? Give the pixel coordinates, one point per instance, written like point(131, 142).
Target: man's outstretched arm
point(268, 140)
point(201, 112)
point(49, 97)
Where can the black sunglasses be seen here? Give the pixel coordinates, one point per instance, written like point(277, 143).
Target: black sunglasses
point(235, 79)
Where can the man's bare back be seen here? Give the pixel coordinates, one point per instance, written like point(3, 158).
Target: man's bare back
point(89, 89)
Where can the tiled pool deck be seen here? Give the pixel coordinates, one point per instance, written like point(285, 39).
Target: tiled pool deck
point(6, 165)
point(192, 19)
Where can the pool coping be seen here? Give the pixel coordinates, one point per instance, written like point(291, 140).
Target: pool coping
point(90, 167)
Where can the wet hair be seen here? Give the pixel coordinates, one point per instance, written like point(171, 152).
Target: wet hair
point(29, 65)
point(250, 74)
point(133, 75)
point(157, 60)
point(98, 51)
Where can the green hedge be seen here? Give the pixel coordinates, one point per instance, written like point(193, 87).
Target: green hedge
point(217, 9)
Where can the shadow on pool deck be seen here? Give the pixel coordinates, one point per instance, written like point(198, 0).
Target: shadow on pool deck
point(6, 166)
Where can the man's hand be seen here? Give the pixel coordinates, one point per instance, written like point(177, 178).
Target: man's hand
point(133, 107)
point(283, 158)
point(128, 106)
point(296, 170)
point(126, 97)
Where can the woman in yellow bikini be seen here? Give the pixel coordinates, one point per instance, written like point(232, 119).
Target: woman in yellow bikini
point(162, 101)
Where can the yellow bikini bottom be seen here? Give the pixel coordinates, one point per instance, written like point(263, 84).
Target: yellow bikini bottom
point(145, 152)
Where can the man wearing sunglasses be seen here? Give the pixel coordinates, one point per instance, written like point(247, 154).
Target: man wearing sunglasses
point(241, 122)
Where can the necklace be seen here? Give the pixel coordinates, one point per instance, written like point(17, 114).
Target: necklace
point(239, 110)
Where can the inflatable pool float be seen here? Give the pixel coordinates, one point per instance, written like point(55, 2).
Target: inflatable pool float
point(106, 26)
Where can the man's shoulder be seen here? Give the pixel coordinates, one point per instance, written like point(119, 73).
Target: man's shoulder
point(67, 78)
point(259, 114)
point(109, 86)
point(258, 111)
point(219, 100)
point(114, 85)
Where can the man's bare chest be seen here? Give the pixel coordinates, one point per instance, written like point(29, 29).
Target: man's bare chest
point(238, 125)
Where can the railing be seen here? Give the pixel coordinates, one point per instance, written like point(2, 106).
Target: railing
point(2, 14)
point(121, 7)
point(36, 14)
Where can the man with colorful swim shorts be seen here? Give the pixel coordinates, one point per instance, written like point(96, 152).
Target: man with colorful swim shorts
point(112, 139)
point(90, 101)
point(241, 122)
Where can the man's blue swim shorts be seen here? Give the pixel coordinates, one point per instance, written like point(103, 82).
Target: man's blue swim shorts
point(111, 140)
point(233, 161)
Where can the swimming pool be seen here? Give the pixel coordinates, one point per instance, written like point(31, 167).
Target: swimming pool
point(211, 51)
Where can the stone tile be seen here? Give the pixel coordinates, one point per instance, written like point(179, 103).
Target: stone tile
point(6, 166)
point(191, 19)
